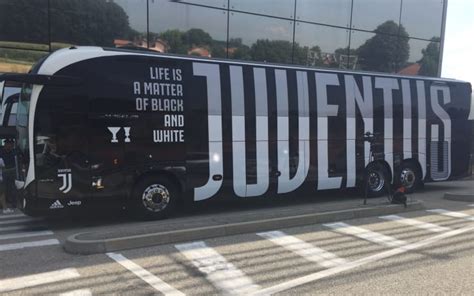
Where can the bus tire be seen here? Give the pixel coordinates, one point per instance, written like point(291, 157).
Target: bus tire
point(154, 198)
point(376, 180)
point(409, 177)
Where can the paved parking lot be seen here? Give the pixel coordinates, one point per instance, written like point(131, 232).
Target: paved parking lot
point(420, 252)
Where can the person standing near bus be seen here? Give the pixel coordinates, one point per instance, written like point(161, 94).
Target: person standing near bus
point(3, 201)
point(8, 156)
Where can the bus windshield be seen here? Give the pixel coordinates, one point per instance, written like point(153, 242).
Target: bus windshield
point(22, 117)
point(1, 90)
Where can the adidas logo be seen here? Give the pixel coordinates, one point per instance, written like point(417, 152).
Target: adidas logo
point(56, 205)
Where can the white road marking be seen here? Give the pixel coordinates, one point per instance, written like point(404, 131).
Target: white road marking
point(366, 234)
point(37, 279)
point(9, 216)
point(19, 227)
point(471, 205)
point(302, 248)
point(416, 223)
point(25, 234)
point(363, 261)
point(145, 275)
point(81, 292)
point(17, 220)
point(16, 246)
point(222, 274)
point(452, 214)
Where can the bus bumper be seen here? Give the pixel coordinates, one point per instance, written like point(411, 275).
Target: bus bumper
point(33, 206)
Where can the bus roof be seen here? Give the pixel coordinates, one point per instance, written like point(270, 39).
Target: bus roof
point(67, 56)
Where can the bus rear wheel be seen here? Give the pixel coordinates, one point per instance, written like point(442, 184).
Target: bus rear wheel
point(154, 198)
point(409, 177)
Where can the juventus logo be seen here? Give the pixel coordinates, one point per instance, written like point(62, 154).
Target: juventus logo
point(66, 175)
point(115, 130)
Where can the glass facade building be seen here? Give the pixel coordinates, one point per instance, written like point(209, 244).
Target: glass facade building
point(394, 36)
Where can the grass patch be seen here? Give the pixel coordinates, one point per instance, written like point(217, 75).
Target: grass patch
point(24, 45)
point(59, 45)
point(6, 67)
point(34, 46)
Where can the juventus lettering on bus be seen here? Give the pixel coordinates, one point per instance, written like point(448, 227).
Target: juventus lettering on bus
point(358, 99)
point(151, 128)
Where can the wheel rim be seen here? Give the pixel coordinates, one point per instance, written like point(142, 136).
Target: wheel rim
point(155, 197)
point(376, 181)
point(407, 178)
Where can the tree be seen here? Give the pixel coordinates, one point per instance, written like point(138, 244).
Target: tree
point(24, 21)
point(218, 49)
point(346, 57)
point(175, 40)
point(273, 51)
point(306, 55)
point(430, 60)
point(88, 22)
point(197, 37)
point(387, 51)
point(182, 42)
point(238, 50)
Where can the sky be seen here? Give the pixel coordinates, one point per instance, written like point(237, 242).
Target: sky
point(459, 43)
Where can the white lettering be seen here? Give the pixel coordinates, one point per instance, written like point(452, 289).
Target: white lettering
point(164, 105)
point(139, 104)
point(154, 104)
point(159, 73)
point(136, 88)
point(388, 85)
point(420, 88)
point(148, 86)
point(323, 80)
point(161, 89)
point(365, 104)
point(285, 182)
point(406, 94)
point(178, 76)
point(445, 172)
point(212, 74)
point(168, 136)
point(173, 120)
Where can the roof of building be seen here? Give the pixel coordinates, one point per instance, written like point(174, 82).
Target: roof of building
point(412, 69)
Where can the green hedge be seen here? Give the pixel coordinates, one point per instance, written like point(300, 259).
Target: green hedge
point(26, 56)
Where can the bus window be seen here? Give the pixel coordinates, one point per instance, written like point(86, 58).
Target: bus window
point(9, 94)
point(12, 118)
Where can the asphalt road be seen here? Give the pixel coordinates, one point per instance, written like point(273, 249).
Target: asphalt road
point(422, 252)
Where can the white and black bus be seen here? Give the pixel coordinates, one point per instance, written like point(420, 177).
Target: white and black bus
point(149, 129)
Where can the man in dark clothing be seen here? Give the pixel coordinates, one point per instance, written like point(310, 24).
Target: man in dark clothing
point(7, 153)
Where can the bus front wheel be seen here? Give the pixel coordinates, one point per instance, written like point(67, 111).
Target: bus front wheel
point(154, 197)
point(376, 180)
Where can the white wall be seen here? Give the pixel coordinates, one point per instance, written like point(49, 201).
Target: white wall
point(458, 60)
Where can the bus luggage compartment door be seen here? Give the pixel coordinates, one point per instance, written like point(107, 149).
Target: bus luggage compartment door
point(107, 140)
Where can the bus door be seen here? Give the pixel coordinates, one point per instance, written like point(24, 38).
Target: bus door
point(62, 166)
point(60, 144)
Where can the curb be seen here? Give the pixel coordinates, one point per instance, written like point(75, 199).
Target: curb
point(75, 245)
point(467, 197)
